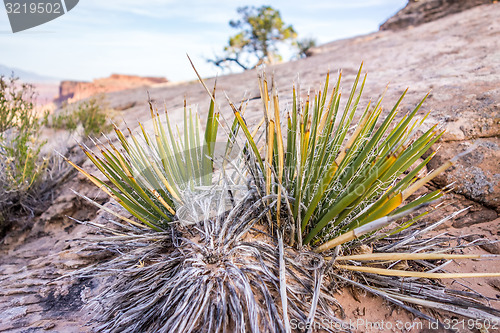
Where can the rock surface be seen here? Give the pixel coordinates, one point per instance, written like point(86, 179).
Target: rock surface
point(477, 174)
point(457, 58)
point(418, 12)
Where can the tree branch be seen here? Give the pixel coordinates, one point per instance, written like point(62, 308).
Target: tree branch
point(221, 61)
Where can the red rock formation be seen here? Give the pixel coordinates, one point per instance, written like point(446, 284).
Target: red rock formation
point(73, 91)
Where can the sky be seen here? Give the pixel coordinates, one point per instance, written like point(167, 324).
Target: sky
point(152, 37)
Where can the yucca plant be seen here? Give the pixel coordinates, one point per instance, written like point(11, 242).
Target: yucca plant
point(246, 245)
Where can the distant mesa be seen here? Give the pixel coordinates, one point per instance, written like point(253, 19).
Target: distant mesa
point(418, 12)
point(72, 91)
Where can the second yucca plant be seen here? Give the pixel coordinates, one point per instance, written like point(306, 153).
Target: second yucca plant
point(312, 196)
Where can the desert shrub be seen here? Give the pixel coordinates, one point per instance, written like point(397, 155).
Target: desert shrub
point(26, 176)
point(21, 166)
point(64, 120)
point(91, 114)
point(314, 199)
point(304, 46)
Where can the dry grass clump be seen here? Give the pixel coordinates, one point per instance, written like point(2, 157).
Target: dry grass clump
point(208, 278)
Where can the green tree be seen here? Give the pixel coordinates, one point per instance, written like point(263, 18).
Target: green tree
point(262, 30)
